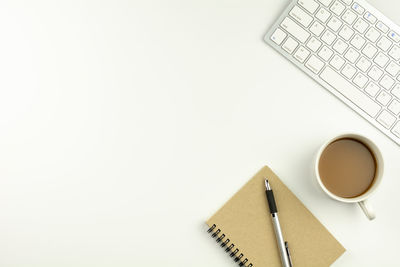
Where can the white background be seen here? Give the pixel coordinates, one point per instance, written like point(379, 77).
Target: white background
point(124, 125)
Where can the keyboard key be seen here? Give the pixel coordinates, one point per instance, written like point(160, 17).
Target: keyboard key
point(346, 32)
point(369, 50)
point(297, 31)
point(369, 17)
point(386, 82)
point(394, 107)
point(309, 5)
point(278, 36)
point(384, 98)
point(360, 80)
point(314, 44)
point(357, 41)
point(317, 28)
point(325, 53)
point(384, 43)
point(301, 54)
point(300, 16)
point(375, 73)
point(396, 129)
point(386, 119)
point(382, 27)
point(290, 45)
point(334, 24)
point(363, 64)
point(372, 34)
point(359, 9)
point(325, 2)
point(337, 8)
point(393, 69)
point(348, 71)
point(328, 37)
point(337, 62)
point(340, 46)
point(372, 89)
point(323, 15)
point(394, 36)
point(381, 60)
point(360, 25)
point(315, 64)
point(394, 52)
point(396, 90)
point(351, 55)
point(349, 16)
point(350, 91)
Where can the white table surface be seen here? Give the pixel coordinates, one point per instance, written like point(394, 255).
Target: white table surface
point(125, 124)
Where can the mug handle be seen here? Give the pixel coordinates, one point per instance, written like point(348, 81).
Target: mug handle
point(367, 209)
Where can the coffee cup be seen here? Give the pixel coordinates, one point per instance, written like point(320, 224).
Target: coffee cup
point(348, 144)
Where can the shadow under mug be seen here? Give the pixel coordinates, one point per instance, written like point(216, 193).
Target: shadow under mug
point(361, 199)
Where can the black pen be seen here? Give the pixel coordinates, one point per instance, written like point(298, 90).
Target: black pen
point(282, 245)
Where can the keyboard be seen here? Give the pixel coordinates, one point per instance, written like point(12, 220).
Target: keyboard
point(351, 49)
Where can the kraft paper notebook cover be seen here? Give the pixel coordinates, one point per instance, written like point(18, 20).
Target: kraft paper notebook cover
point(243, 227)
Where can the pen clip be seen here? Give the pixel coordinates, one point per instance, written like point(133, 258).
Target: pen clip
point(288, 254)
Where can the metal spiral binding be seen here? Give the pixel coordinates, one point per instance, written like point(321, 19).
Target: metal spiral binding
point(230, 247)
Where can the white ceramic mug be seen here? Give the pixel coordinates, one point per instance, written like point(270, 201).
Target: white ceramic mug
point(362, 199)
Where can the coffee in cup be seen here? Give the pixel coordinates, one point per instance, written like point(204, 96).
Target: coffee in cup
point(347, 167)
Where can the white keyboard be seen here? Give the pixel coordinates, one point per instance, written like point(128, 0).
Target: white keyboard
point(351, 49)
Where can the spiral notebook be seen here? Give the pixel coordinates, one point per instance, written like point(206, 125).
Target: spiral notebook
point(243, 227)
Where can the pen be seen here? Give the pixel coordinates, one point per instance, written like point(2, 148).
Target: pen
point(282, 245)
